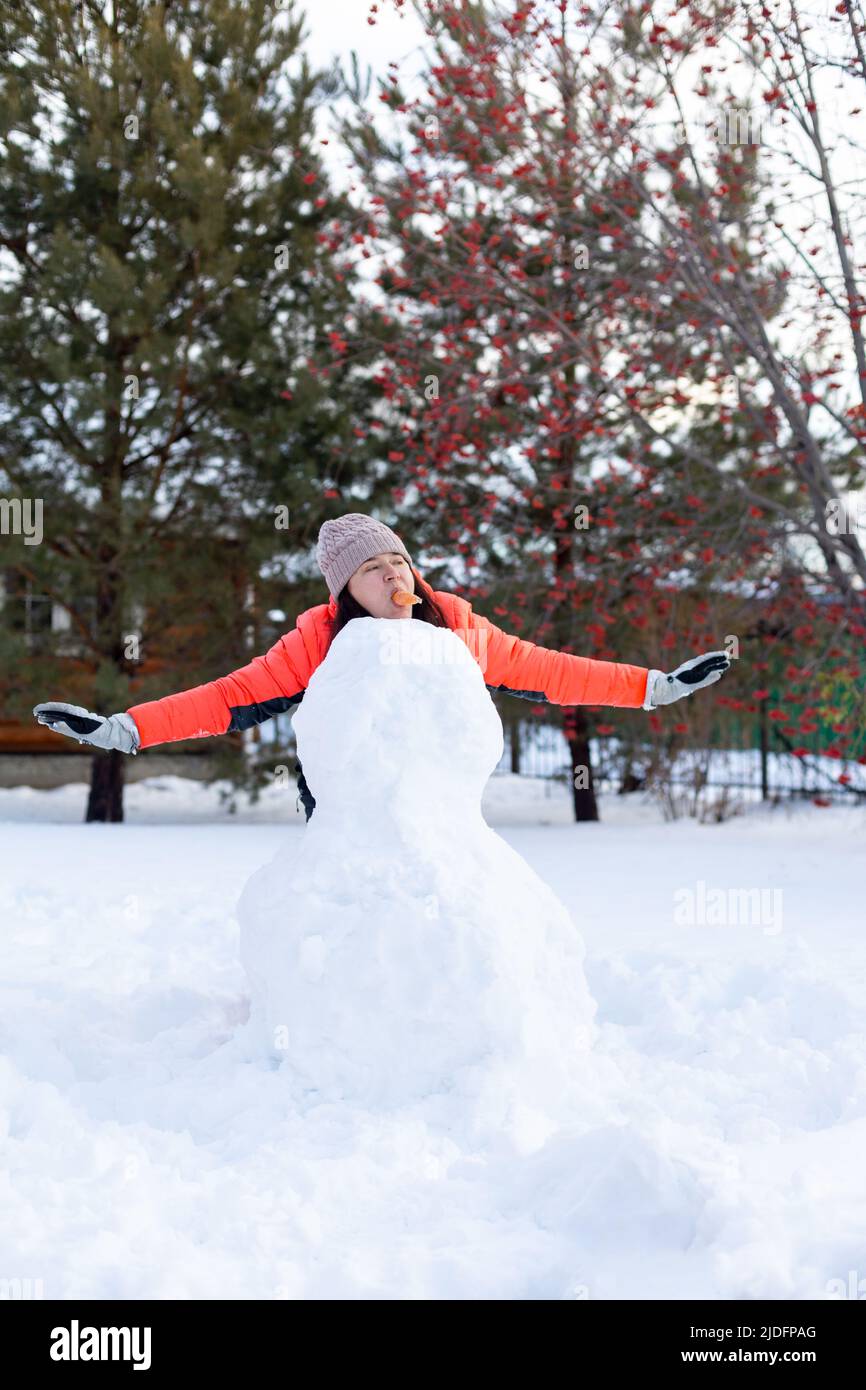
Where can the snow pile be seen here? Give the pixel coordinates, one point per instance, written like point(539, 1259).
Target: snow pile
point(399, 948)
point(153, 1145)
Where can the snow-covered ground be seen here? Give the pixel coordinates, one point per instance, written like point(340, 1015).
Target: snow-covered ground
point(147, 1155)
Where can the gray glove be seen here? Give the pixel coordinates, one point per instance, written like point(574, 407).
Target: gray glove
point(116, 731)
point(694, 674)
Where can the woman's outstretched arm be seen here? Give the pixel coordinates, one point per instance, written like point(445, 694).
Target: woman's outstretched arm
point(266, 686)
point(515, 665)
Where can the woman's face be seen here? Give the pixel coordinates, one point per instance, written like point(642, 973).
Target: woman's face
point(374, 582)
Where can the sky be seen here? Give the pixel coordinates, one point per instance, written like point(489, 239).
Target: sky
point(335, 27)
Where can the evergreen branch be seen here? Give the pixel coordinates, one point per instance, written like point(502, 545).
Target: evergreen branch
point(43, 588)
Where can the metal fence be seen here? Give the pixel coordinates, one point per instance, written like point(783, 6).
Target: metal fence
point(756, 772)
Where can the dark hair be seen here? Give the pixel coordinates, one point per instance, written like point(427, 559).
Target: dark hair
point(428, 610)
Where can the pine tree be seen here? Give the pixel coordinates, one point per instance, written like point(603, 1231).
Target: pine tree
point(175, 394)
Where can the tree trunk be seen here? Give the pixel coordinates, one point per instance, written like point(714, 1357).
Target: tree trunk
point(762, 726)
point(577, 732)
point(515, 746)
point(106, 774)
point(106, 787)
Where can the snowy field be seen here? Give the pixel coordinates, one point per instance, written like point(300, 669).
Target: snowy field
point(149, 1155)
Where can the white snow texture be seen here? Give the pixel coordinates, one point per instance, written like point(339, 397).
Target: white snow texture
point(399, 948)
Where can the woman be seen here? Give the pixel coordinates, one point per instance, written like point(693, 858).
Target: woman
point(365, 564)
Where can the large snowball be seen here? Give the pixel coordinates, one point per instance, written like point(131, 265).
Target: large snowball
point(397, 947)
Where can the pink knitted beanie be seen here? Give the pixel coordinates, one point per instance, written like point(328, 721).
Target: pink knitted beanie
point(348, 541)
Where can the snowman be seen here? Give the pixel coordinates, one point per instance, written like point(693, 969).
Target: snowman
point(398, 950)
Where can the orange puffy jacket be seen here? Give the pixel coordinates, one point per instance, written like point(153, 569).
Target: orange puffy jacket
point(272, 683)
